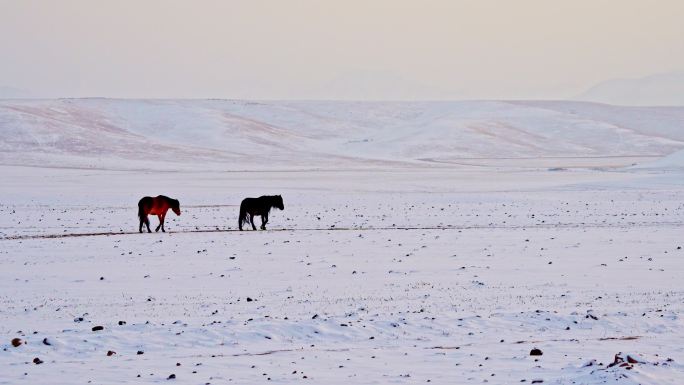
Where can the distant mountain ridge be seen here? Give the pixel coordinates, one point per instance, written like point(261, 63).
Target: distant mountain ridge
point(657, 90)
point(378, 86)
point(13, 93)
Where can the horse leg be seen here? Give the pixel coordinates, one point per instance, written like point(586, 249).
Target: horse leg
point(142, 220)
point(160, 222)
point(251, 221)
point(163, 216)
point(264, 221)
point(147, 223)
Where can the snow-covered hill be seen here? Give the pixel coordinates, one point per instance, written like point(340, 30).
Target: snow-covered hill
point(234, 135)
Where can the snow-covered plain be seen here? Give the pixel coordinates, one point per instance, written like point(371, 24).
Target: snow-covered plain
point(420, 242)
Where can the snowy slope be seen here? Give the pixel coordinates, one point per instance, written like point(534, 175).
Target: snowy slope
point(225, 134)
point(674, 161)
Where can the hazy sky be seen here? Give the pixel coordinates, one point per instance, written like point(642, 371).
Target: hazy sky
point(334, 48)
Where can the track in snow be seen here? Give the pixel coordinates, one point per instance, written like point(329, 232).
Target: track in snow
point(397, 228)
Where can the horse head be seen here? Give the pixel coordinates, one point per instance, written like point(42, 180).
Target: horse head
point(279, 202)
point(175, 206)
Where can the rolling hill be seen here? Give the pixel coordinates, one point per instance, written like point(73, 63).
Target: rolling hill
point(240, 135)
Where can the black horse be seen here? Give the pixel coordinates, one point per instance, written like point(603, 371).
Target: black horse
point(158, 206)
point(258, 206)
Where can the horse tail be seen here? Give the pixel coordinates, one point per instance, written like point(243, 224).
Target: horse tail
point(243, 214)
point(141, 211)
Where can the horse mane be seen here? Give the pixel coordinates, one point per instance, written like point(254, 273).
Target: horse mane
point(271, 200)
point(172, 202)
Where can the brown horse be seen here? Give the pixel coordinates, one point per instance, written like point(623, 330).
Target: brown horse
point(156, 206)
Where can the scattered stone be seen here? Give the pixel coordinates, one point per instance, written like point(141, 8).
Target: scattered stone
point(171, 376)
point(536, 352)
point(140, 352)
point(37, 361)
point(110, 353)
point(633, 360)
point(98, 328)
point(122, 323)
point(16, 342)
point(626, 362)
point(46, 342)
point(249, 299)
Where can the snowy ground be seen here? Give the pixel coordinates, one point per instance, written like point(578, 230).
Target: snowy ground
point(385, 285)
point(376, 273)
